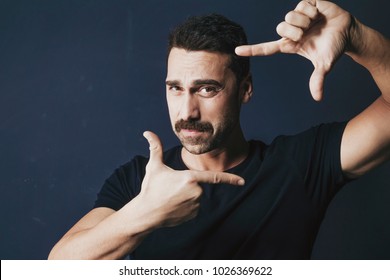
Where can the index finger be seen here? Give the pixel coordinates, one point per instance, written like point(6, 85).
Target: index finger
point(212, 177)
point(262, 49)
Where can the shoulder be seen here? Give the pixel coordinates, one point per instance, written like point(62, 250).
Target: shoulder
point(314, 149)
point(314, 156)
point(330, 133)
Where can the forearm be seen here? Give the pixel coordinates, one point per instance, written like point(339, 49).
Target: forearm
point(366, 140)
point(112, 238)
point(372, 50)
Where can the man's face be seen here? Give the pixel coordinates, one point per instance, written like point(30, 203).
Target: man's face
point(203, 99)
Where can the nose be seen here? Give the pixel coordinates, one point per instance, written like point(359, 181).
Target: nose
point(189, 109)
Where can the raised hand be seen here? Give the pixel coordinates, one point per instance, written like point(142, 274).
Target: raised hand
point(172, 196)
point(317, 30)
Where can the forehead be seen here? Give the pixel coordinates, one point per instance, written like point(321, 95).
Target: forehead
point(196, 64)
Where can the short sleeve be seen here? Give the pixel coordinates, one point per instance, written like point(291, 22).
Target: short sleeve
point(316, 155)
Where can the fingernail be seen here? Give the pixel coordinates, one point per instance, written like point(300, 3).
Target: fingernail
point(241, 182)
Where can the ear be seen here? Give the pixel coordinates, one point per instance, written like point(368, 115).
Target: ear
point(246, 89)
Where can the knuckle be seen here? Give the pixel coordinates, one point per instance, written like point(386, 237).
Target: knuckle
point(216, 179)
point(289, 16)
point(306, 22)
point(280, 28)
point(187, 177)
point(305, 8)
point(298, 35)
point(298, 19)
point(290, 32)
point(302, 6)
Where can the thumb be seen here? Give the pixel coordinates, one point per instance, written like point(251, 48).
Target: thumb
point(155, 147)
point(316, 83)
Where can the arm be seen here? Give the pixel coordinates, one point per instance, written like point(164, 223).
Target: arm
point(366, 140)
point(321, 32)
point(167, 198)
point(103, 234)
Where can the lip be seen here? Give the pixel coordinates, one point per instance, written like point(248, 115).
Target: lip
point(191, 132)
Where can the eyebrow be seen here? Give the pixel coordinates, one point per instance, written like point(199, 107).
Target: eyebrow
point(195, 83)
point(207, 82)
point(172, 83)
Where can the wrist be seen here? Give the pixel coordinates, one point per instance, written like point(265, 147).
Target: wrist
point(368, 47)
point(355, 44)
point(142, 221)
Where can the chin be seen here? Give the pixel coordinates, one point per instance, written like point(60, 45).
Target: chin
point(195, 149)
point(199, 148)
point(199, 145)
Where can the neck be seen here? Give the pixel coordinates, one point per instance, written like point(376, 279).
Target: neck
point(231, 152)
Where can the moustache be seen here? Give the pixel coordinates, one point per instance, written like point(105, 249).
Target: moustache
point(194, 125)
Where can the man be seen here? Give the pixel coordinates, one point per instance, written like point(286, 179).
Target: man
point(220, 196)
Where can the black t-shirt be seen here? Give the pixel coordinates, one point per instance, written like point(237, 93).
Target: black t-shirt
point(276, 215)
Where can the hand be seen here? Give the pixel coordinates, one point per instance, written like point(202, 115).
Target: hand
point(172, 196)
point(317, 30)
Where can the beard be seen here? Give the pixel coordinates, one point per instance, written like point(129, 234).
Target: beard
point(211, 138)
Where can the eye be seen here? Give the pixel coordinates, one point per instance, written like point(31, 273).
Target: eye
point(208, 91)
point(174, 89)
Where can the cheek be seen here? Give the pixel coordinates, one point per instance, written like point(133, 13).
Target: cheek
point(211, 110)
point(170, 103)
point(172, 117)
point(222, 106)
point(171, 109)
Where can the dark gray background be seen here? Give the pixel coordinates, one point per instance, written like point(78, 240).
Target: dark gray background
point(80, 80)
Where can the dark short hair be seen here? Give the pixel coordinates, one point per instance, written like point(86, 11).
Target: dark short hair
point(214, 33)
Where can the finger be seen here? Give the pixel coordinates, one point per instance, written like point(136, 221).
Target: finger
point(297, 19)
point(316, 83)
point(155, 147)
point(307, 9)
point(262, 49)
point(212, 177)
point(289, 31)
point(311, 2)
